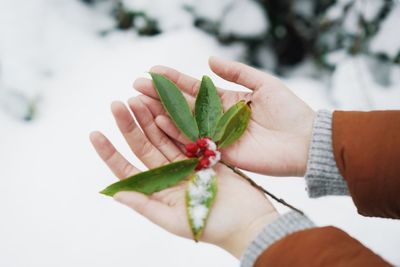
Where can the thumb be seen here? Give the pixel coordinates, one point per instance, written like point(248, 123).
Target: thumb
point(238, 73)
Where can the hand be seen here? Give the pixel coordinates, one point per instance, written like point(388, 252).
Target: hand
point(277, 139)
point(239, 212)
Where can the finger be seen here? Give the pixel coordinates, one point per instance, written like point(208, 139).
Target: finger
point(168, 127)
point(157, 212)
point(135, 138)
point(157, 109)
point(155, 106)
point(114, 160)
point(153, 133)
point(238, 73)
point(186, 83)
point(146, 87)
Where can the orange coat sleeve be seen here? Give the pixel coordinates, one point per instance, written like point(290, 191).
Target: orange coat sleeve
point(366, 147)
point(325, 246)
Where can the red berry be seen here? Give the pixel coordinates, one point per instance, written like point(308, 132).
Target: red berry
point(192, 148)
point(203, 163)
point(209, 153)
point(202, 143)
point(190, 154)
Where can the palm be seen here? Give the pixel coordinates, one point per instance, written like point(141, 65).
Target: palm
point(275, 141)
point(230, 186)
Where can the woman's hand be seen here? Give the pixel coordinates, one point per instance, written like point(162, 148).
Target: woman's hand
point(239, 212)
point(277, 138)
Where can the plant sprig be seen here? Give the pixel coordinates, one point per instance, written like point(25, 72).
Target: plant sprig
point(210, 129)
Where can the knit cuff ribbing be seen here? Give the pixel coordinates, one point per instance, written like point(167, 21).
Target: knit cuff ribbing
point(284, 225)
point(322, 175)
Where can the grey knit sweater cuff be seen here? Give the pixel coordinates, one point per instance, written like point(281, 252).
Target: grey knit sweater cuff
point(322, 175)
point(284, 225)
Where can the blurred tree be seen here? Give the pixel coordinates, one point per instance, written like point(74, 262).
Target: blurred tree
point(279, 34)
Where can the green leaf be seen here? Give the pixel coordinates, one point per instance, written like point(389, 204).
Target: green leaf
point(200, 196)
point(154, 180)
point(175, 104)
point(208, 108)
point(224, 120)
point(232, 124)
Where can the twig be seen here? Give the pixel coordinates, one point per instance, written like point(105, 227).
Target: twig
point(248, 179)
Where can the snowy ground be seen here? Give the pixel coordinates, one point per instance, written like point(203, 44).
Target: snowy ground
point(52, 214)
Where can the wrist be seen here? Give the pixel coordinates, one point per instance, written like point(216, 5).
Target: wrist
point(241, 239)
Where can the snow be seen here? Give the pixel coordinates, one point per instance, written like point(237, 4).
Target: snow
point(199, 193)
point(203, 177)
point(351, 21)
point(140, 22)
point(214, 159)
point(210, 9)
point(170, 14)
point(244, 19)
point(252, 20)
point(390, 27)
point(17, 104)
point(211, 145)
point(52, 213)
point(336, 10)
point(369, 9)
point(335, 57)
point(352, 79)
point(241, 18)
point(198, 189)
point(198, 214)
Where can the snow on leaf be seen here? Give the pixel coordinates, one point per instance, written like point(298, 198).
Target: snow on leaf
point(200, 196)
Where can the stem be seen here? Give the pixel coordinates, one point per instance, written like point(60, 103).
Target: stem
point(248, 179)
